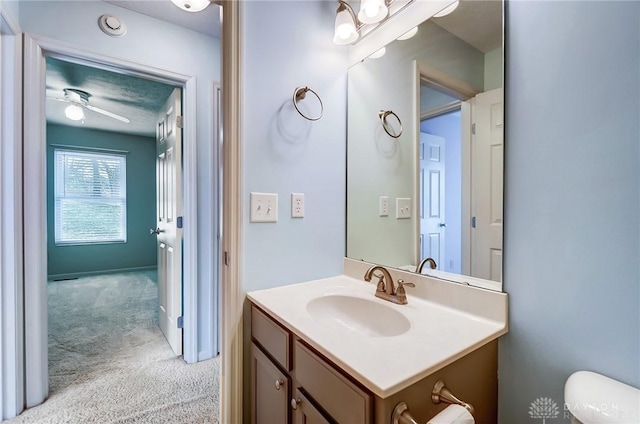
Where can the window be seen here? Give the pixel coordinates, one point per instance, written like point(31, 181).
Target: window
point(90, 197)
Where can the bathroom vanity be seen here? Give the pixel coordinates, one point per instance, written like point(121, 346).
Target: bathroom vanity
point(330, 351)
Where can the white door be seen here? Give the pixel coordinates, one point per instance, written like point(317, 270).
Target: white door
point(169, 217)
point(487, 170)
point(432, 224)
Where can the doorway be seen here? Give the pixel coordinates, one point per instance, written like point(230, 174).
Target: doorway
point(36, 53)
point(104, 192)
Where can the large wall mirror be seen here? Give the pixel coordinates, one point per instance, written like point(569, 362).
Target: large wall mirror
point(425, 148)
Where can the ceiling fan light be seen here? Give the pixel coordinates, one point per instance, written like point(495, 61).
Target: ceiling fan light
point(444, 12)
point(372, 11)
point(191, 5)
point(74, 112)
point(345, 28)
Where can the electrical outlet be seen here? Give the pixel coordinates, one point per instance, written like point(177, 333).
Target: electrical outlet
point(264, 207)
point(297, 205)
point(403, 208)
point(384, 206)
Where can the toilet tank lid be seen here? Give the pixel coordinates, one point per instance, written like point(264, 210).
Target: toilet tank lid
point(594, 398)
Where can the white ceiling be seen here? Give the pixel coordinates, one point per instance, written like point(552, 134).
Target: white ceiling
point(132, 97)
point(125, 95)
point(206, 21)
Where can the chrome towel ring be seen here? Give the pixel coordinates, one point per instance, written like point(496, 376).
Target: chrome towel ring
point(385, 124)
point(299, 94)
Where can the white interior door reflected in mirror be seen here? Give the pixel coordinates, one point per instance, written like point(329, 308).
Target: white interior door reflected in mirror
point(432, 196)
point(428, 79)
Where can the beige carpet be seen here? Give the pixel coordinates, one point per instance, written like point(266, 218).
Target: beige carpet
point(109, 363)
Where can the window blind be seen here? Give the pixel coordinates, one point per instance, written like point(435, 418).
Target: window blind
point(90, 197)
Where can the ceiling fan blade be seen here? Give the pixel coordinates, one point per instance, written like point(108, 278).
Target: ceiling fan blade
point(57, 99)
point(107, 113)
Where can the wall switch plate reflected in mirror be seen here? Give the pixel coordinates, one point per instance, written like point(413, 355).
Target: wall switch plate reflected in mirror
point(403, 208)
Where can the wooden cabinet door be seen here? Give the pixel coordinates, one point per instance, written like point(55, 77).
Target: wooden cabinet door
point(305, 412)
point(269, 390)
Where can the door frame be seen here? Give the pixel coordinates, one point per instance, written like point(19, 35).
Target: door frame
point(464, 92)
point(11, 269)
point(36, 49)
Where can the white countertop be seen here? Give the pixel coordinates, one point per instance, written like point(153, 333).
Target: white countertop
point(439, 334)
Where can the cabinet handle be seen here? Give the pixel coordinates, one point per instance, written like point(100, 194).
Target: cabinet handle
point(295, 403)
point(279, 384)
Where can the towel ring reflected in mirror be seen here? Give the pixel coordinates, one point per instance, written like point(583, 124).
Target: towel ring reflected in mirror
point(388, 128)
point(299, 94)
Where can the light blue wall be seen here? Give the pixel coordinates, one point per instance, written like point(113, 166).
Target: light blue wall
point(140, 249)
point(161, 45)
point(449, 127)
point(572, 206)
point(288, 45)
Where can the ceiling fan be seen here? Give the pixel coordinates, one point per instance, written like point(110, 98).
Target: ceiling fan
point(78, 100)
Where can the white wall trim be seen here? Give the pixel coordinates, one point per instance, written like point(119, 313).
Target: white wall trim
point(35, 50)
point(190, 231)
point(231, 406)
point(11, 275)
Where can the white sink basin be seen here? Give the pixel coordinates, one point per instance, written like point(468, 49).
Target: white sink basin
point(359, 315)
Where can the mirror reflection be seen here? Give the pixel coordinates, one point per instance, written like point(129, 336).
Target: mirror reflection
point(436, 189)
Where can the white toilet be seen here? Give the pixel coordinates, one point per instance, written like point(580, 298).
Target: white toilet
point(592, 398)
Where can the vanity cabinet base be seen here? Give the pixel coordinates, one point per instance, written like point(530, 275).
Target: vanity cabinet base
point(293, 383)
point(472, 379)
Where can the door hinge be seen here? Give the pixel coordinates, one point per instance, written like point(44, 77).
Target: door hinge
point(473, 222)
point(179, 121)
point(473, 128)
point(179, 222)
point(180, 322)
point(226, 258)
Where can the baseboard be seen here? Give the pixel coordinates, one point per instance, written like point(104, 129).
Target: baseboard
point(73, 275)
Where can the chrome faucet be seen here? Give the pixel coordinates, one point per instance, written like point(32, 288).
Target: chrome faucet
point(386, 289)
point(432, 265)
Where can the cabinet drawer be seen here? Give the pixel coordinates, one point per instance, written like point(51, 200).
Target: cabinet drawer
point(342, 399)
point(273, 338)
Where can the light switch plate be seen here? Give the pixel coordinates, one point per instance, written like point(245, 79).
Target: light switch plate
point(264, 207)
point(403, 207)
point(384, 206)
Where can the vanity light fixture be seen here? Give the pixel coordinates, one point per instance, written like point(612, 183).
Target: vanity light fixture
point(74, 112)
point(378, 54)
point(192, 5)
point(447, 10)
point(372, 11)
point(408, 34)
point(346, 28)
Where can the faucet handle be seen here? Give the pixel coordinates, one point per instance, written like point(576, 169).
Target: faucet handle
point(381, 282)
point(401, 295)
point(402, 283)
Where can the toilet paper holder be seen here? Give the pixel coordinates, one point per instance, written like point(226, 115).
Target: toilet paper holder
point(439, 394)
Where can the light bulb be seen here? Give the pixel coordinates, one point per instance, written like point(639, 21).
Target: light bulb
point(377, 54)
point(409, 34)
point(74, 112)
point(447, 10)
point(345, 29)
point(372, 11)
